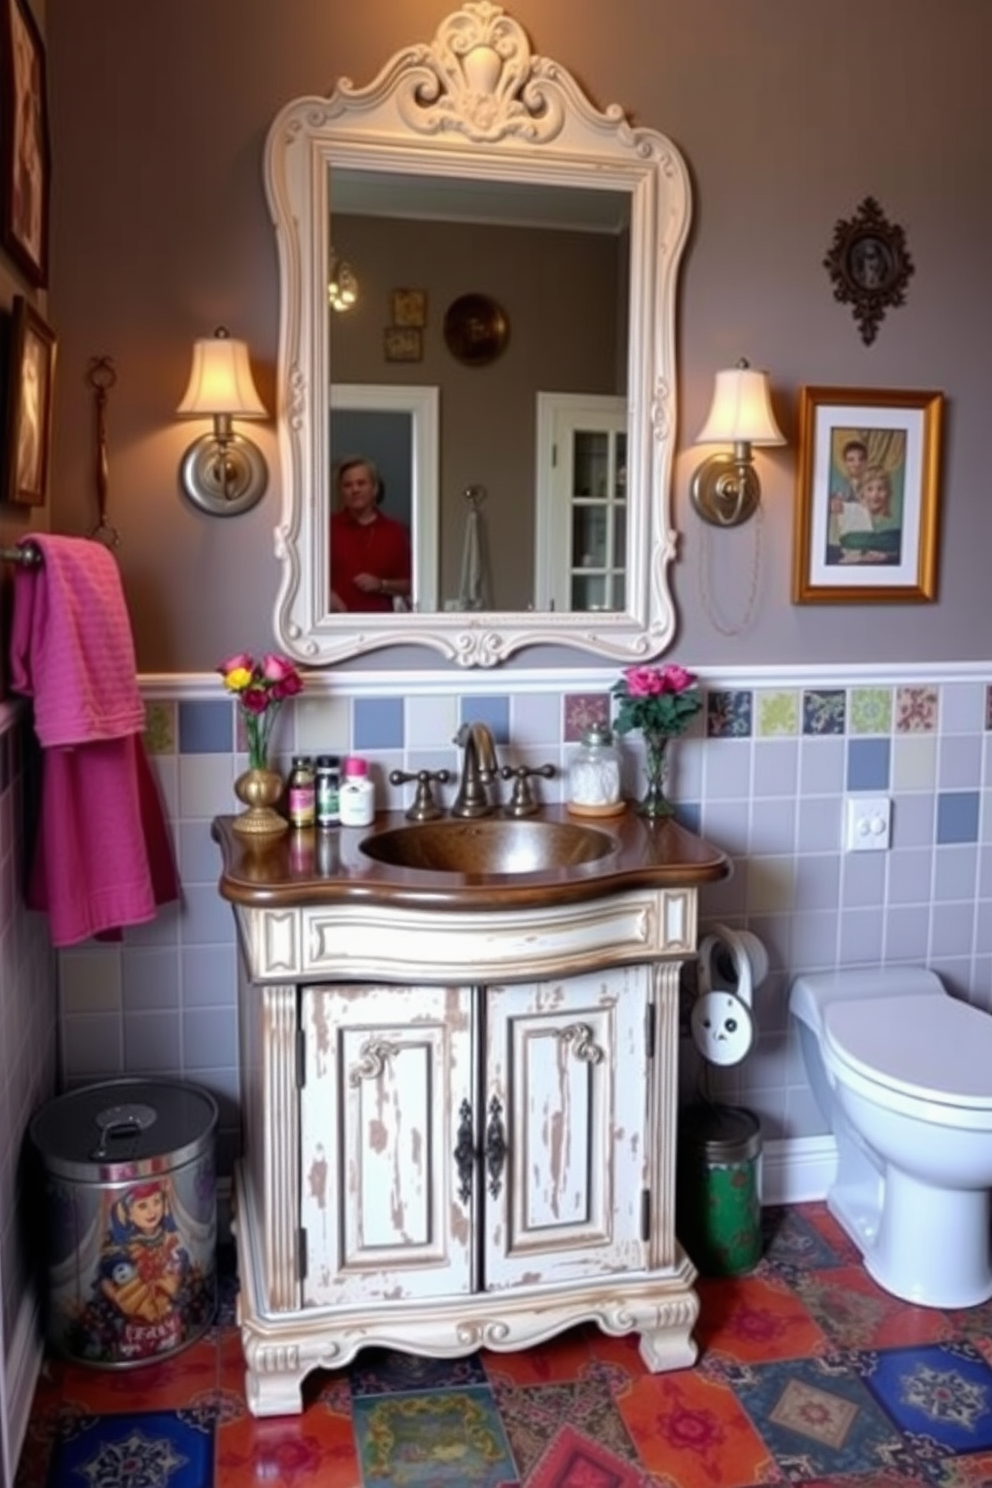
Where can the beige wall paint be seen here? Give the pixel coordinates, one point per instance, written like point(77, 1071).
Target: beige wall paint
point(788, 116)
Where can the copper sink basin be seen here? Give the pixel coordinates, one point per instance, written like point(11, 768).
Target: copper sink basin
point(492, 845)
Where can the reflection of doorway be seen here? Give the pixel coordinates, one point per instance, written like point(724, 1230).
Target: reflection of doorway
point(397, 427)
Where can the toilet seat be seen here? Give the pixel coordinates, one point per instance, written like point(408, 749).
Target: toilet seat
point(931, 1048)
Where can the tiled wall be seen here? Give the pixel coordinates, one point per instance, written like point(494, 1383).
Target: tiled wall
point(763, 775)
point(28, 1022)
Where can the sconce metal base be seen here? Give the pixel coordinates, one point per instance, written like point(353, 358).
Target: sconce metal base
point(224, 477)
point(725, 490)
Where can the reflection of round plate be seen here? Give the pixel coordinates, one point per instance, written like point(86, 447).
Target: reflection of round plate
point(476, 329)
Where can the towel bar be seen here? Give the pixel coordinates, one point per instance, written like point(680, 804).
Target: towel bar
point(28, 556)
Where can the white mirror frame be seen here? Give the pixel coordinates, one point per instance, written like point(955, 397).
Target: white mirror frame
point(473, 104)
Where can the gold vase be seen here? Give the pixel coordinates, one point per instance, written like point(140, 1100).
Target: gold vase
point(259, 789)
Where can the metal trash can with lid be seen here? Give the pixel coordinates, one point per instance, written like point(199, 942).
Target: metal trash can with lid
point(718, 1203)
point(129, 1182)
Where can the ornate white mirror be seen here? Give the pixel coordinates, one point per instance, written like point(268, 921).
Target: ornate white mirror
point(512, 251)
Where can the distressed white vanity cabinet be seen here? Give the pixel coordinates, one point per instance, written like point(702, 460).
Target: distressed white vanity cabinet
point(459, 1102)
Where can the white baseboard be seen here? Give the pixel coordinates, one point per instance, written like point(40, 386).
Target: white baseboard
point(22, 1368)
point(795, 1170)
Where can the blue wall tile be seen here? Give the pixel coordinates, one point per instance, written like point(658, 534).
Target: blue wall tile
point(957, 816)
point(492, 710)
point(868, 764)
point(206, 728)
point(379, 723)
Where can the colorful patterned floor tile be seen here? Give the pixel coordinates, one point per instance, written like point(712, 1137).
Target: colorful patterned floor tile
point(386, 1372)
point(792, 1240)
point(855, 1312)
point(940, 1394)
point(573, 1460)
point(174, 1448)
point(533, 1413)
point(755, 1318)
point(317, 1447)
point(449, 1437)
point(563, 1358)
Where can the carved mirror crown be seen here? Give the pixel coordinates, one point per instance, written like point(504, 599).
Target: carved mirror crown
point(472, 106)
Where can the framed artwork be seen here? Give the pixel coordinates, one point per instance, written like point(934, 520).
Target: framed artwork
point(410, 307)
point(29, 405)
point(24, 142)
point(403, 343)
point(870, 266)
point(866, 506)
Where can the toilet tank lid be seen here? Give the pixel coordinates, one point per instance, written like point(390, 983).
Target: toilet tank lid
point(813, 991)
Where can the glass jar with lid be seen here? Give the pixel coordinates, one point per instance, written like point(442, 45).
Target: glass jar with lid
point(594, 775)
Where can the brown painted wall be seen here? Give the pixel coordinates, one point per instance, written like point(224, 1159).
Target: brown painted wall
point(788, 114)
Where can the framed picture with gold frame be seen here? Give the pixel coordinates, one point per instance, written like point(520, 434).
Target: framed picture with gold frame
point(403, 344)
point(29, 405)
point(868, 496)
point(24, 141)
point(409, 307)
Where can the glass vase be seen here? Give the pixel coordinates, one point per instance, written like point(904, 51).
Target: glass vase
point(259, 789)
point(654, 804)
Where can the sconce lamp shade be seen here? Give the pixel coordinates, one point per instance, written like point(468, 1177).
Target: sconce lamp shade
point(222, 472)
point(342, 285)
point(220, 380)
point(741, 410)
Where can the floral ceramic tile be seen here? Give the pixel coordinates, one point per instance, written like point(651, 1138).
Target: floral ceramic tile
point(778, 714)
point(870, 710)
point(729, 714)
point(160, 728)
point(584, 710)
point(824, 712)
point(917, 710)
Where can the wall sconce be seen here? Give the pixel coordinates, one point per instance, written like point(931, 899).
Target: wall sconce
point(223, 473)
point(342, 286)
point(725, 488)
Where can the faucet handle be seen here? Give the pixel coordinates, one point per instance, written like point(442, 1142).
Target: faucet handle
point(522, 802)
point(424, 807)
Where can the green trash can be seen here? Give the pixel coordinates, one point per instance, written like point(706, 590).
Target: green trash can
point(718, 1203)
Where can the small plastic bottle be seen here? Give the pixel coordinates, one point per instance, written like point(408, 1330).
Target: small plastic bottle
point(357, 794)
point(302, 792)
point(594, 775)
point(328, 790)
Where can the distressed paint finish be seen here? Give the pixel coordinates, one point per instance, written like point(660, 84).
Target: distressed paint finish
point(386, 1069)
point(567, 1060)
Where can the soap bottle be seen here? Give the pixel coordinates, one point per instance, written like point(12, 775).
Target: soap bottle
point(594, 775)
point(357, 798)
point(328, 790)
point(302, 792)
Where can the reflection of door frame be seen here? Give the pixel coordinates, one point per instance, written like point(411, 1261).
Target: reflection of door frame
point(422, 404)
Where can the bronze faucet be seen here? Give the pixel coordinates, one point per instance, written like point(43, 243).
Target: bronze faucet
point(478, 770)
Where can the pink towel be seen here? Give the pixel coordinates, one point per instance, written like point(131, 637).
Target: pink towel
point(71, 645)
point(103, 856)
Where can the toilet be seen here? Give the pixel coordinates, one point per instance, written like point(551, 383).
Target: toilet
point(903, 1073)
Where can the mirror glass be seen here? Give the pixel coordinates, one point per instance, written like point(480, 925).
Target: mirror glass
point(507, 362)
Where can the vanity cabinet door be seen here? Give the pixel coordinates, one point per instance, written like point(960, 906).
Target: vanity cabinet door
point(386, 1071)
point(565, 1108)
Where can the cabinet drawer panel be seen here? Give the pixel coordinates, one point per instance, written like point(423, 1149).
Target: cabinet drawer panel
point(385, 1069)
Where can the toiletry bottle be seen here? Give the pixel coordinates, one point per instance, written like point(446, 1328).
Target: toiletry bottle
point(328, 790)
point(357, 794)
point(302, 792)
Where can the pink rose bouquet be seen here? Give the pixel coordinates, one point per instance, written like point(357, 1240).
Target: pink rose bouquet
point(260, 688)
point(657, 700)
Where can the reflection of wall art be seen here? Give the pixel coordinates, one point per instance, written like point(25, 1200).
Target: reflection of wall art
point(869, 265)
point(409, 307)
point(866, 517)
point(403, 344)
point(29, 405)
point(476, 329)
point(24, 141)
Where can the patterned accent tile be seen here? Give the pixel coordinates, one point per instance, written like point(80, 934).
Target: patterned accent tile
point(383, 1371)
point(288, 1451)
point(778, 714)
point(690, 1430)
point(942, 1394)
point(450, 1437)
point(819, 1419)
point(855, 1313)
point(823, 712)
point(870, 710)
point(729, 714)
point(583, 710)
point(160, 728)
point(573, 1461)
point(917, 710)
point(961, 1472)
point(566, 1357)
point(174, 1448)
point(755, 1317)
point(790, 1240)
point(532, 1413)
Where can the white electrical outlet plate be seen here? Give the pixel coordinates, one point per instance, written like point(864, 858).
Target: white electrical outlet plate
point(869, 824)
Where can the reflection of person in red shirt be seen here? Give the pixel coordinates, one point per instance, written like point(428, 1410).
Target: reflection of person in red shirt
point(370, 552)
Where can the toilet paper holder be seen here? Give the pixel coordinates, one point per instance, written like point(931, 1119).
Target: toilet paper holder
point(732, 964)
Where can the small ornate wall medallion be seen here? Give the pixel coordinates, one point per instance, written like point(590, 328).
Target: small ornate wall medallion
point(869, 265)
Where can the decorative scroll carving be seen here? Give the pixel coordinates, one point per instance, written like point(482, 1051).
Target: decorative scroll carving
point(375, 1054)
point(579, 1035)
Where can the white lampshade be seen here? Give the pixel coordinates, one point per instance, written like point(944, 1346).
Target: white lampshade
point(741, 411)
point(220, 380)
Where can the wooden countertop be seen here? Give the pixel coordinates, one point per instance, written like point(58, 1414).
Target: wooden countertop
point(328, 867)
